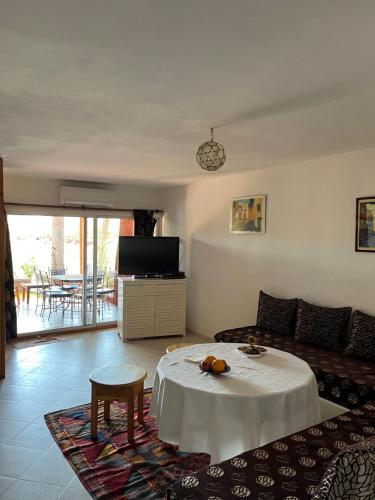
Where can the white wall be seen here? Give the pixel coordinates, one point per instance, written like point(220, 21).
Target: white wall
point(307, 251)
point(20, 189)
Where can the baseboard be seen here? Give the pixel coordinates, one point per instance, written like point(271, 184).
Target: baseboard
point(198, 334)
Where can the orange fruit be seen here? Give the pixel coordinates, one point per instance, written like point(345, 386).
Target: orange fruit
point(209, 359)
point(219, 365)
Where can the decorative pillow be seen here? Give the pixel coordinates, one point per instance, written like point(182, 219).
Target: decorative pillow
point(362, 339)
point(277, 315)
point(351, 474)
point(322, 326)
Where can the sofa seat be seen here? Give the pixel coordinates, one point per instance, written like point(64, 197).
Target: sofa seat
point(290, 468)
point(346, 381)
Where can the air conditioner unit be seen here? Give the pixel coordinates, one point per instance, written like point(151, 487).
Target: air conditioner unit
point(86, 197)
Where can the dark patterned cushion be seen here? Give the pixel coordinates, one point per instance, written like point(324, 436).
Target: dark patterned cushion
point(277, 315)
point(362, 339)
point(322, 326)
point(351, 474)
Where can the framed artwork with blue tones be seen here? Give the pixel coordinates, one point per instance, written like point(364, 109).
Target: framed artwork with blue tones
point(248, 215)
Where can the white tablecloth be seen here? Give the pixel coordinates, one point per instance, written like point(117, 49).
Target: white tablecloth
point(258, 401)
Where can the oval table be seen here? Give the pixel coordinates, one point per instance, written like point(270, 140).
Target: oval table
point(259, 400)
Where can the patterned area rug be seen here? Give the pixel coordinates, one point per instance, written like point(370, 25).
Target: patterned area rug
point(112, 468)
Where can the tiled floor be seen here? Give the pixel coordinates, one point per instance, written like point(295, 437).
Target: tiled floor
point(52, 377)
point(29, 318)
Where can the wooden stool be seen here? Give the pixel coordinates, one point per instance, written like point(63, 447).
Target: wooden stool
point(117, 383)
point(174, 347)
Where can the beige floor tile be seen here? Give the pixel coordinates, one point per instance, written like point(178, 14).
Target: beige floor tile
point(28, 490)
point(9, 429)
point(5, 483)
point(21, 393)
point(14, 460)
point(75, 494)
point(24, 411)
point(35, 379)
point(34, 436)
point(50, 468)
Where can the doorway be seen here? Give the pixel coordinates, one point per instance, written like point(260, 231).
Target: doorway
point(65, 270)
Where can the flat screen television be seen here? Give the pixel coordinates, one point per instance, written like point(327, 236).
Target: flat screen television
point(148, 255)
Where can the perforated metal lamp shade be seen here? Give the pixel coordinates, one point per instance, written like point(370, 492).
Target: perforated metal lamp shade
point(211, 155)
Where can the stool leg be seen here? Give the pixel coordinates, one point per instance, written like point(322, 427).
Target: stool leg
point(107, 410)
point(140, 405)
point(94, 412)
point(131, 417)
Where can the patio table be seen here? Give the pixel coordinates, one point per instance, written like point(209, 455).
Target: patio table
point(68, 278)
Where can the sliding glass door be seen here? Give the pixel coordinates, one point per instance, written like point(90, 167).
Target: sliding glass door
point(65, 270)
point(108, 231)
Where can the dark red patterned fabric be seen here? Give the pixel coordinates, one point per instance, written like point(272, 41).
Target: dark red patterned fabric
point(346, 381)
point(290, 468)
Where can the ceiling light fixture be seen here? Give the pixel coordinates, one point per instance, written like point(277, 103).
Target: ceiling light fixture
point(211, 155)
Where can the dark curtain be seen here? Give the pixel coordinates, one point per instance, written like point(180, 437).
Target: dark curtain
point(10, 303)
point(144, 222)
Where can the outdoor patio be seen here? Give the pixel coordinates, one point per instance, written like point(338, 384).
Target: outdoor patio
point(48, 260)
point(30, 321)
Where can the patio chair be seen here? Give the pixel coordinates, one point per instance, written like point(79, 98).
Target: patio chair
point(40, 287)
point(56, 271)
point(107, 289)
point(56, 297)
point(64, 286)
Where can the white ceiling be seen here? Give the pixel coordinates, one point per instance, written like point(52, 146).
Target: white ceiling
point(126, 90)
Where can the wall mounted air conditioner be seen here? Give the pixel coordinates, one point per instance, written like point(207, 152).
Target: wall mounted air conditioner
point(86, 197)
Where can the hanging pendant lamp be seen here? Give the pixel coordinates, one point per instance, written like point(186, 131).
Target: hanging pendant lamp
point(211, 155)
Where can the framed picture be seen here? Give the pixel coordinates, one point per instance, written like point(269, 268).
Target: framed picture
point(248, 215)
point(365, 225)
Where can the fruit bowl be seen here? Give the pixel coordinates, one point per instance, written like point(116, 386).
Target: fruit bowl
point(253, 351)
point(227, 369)
point(214, 366)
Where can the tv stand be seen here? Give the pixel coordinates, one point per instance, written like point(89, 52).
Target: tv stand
point(151, 307)
point(145, 276)
point(177, 275)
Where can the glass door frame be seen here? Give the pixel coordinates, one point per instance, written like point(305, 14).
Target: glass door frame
point(85, 214)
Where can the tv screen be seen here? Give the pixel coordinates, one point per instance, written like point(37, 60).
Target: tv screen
point(144, 255)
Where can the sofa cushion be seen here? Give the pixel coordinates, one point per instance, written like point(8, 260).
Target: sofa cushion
point(289, 468)
point(362, 339)
point(351, 473)
point(325, 327)
point(276, 315)
point(346, 381)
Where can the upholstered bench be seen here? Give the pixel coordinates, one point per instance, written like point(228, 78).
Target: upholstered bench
point(290, 468)
point(339, 348)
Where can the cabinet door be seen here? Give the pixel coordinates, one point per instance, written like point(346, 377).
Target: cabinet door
point(139, 317)
point(170, 315)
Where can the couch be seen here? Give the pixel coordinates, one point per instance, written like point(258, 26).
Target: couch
point(290, 468)
point(340, 349)
point(346, 380)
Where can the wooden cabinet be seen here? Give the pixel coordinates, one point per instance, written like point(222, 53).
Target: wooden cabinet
point(151, 308)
